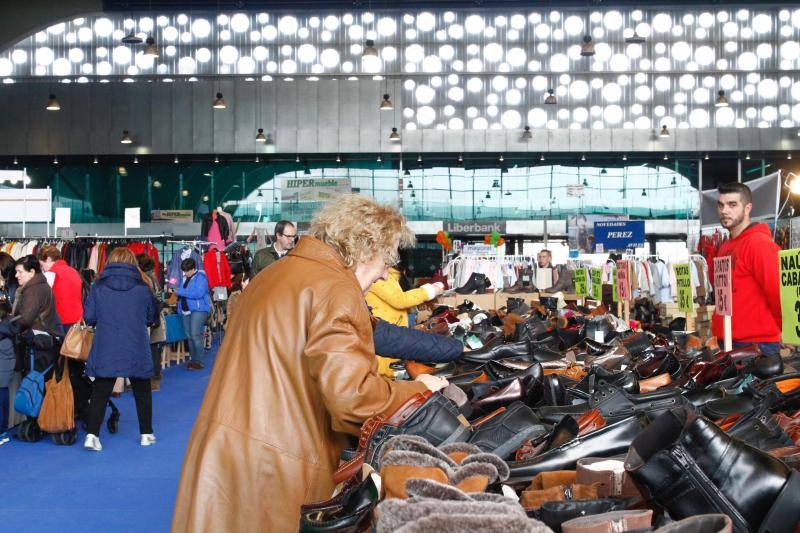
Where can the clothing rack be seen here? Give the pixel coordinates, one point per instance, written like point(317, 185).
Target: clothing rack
point(123, 237)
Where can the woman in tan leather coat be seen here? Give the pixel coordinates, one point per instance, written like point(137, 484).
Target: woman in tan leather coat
point(296, 374)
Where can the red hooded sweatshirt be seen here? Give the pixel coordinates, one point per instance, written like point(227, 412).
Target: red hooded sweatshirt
point(756, 287)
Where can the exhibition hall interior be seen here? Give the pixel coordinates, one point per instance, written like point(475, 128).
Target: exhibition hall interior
point(372, 266)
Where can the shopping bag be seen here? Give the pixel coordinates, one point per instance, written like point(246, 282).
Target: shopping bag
point(78, 342)
point(58, 408)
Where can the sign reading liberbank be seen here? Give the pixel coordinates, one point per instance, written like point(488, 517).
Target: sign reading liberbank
point(475, 228)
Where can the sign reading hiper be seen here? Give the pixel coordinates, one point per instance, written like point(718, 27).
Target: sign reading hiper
point(618, 236)
point(597, 284)
point(314, 189)
point(723, 288)
point(581, 282)
point(683, 279)
point(790, 295)
point(623, 281)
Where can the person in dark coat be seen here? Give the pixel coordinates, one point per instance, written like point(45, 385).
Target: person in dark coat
point(121, 306)
point(412, 345)
point(35, 312)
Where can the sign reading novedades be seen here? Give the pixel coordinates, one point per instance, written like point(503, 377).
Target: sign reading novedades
point(723, 289)
point(581, 283)
point(597, 284)
point(790, 295)
point(618, 236)
point(683, 279)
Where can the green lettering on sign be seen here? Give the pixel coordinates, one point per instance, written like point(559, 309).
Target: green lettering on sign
point(790, 295)
point(597, 284)
point(614, 284)
point(581, 283)
point(683, 279)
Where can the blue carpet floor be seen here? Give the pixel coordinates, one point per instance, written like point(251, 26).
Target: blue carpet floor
point(126, 487)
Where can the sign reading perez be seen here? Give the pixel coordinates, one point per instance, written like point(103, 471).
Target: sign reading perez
point(475, 228)
point(618, 236)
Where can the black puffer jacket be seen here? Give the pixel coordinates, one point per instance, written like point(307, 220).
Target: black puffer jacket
point(413, 345)
point(224, 230)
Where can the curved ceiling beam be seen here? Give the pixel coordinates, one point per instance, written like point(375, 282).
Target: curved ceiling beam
point(25, 18)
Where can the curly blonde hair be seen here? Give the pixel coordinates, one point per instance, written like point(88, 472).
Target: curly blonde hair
point(361, 229)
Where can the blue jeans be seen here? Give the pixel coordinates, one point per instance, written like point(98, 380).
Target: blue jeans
point(767, 348)
point(193, 325)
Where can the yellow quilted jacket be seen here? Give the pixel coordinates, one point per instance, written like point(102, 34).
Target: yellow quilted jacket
point(390, 303)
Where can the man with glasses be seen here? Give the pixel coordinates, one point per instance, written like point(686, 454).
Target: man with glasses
point(285, 239)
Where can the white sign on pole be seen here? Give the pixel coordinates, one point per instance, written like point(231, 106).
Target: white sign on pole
point(63, 217)
point(132, 217)
point(25, 205)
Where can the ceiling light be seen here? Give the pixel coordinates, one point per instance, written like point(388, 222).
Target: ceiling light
point(501, 158)
point(259, 194)
point(496, 184)
point(95, 160)
point(338, 158)
point(307, 171)
point(386, 104)
point(406, 172)
point(205, 197)
point(789, 155)
point(369, 49)
point(587, 48)
point(585, 182)
point(297, 158)
point(666, 157)
point(260, 136)
point(176, 160)
point(16, 162)
point(409, 185)
point(132, 38)
point(460, 158)
point(583, 157)
point(413, 194)
point(394, 136)
point(603, 171)
point(151, 49)
point(379, 159)
point(488, 196)
point(52, 104)
point(136, 160)
point(258, 159)
point(674, 181)
point(644, 192)
point(551, 97)
point(419, 158)
point(185, 193)
point(156, 184)
point(706, 157)
point(541, 157)
point(508, 193)
point(216, 159)
point(747, 156)
point(126, 138)
point(527, 133)
point(635, 38)
point(721, 100)
point(664, 131)
point(55, 160)
point(624, 157)
point(219, 102)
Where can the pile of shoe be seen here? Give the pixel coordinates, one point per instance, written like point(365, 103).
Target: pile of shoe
point(679, 427)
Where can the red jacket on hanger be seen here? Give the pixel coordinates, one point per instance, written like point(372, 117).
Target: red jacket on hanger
point(217, 268)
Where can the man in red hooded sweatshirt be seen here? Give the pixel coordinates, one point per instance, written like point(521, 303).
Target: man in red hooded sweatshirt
point(755, 278)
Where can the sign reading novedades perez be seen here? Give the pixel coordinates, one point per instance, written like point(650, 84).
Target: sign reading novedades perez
point(618, 236)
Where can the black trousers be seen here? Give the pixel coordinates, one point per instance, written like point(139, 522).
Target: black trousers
point(155, 352)
point(103, 387)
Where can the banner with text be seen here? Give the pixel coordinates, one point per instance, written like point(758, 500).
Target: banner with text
point(314, 189)
point(790, 295)
point(581, 283)
point(683, 280)
point(723, 288)
point(580, 230)
point(597, 284)
point(475, 228)
point(618, 236)
point(614, 291)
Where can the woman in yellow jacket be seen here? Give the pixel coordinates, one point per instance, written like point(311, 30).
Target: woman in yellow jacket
point(391, 303)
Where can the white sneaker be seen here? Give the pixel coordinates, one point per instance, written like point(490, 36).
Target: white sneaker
point(148, 439)
point(92, 443)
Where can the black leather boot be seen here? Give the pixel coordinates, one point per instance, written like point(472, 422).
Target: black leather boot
point(758, 429)
point(507, 430)
point(685, 464)
point(476, 283)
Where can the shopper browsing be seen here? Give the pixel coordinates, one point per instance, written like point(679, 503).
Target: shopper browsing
point(755, 277)
point(121, 307)
point(66, 283)
point(285, 238)
point(296, 374)
point(194, 306)
point(561, 275)
point(157, 337)
point(7, 362)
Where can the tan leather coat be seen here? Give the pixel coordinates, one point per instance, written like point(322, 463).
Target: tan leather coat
point(296, 372)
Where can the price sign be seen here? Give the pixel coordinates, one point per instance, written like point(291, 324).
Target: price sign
point(614, 292)
point(623, 280)
point(581, 282)
point(683, 279)
point(597, 284)
point(790, 295)
point(723, 289)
